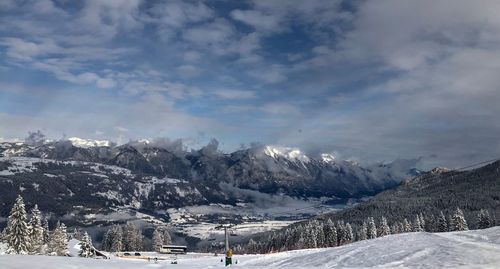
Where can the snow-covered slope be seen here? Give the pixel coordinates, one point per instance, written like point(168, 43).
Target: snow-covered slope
point(471, 249)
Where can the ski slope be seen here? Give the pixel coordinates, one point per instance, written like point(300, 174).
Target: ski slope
point(471, 249)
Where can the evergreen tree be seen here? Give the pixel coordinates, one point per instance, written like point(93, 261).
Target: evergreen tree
point(36, 231)
point(157, 240)
point(87, 250)
point(372, 228)
point(422, 221)
point(483, 219)
point(46, 231)
point(363, 231)
point(349, 236)
point(341, 233)
point(167, 239)
point(442, 223)
point(395, 228)
point(330, 234)
point(132, 238)
point(417, 224)
point(384, 228)
point(406, 226)
point(58, 242)
point(458, 222)
point(116, 239)
point(77, 234)
point(17, 231)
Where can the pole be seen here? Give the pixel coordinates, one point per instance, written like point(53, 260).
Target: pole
point(226, 236)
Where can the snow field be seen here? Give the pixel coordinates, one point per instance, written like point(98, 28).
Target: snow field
point(469, 249)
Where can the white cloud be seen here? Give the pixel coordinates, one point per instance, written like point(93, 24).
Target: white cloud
point(234, 94)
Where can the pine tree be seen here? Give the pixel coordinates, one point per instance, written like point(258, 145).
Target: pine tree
point(349, 236)
point(86, 248)
point(384, 228)
point(330, 234)
point(58, 242)
point(458, 222)
point(372, 228)
point(116, 239)
point(442, 223)
point(417, 224)
point(157, 240)
point(167, 239)
point(483, 219)
point(36, 231)
point(363, 231)
point(318, 233)
point(422, 221)
point(406, 226)
point(17, 230)
point(46, 231)
point(395, 228)
point(341, 233)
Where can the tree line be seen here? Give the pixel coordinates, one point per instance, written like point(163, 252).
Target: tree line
point(319, 233)
point(33, 236)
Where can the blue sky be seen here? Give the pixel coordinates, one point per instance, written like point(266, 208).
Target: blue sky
point(371, 80)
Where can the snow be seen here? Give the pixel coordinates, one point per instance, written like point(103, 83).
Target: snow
point(327, 158)
point(470, 249)
point(88, 143)
point(293, 154)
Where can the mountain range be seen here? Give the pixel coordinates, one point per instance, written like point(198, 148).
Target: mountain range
point(80, 177)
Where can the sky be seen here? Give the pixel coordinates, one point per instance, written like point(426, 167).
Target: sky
point(368, 80)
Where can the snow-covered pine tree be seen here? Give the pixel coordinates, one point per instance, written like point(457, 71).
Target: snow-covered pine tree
point(46, 231)
point(167, 239)
point(363, 231)
point(17, 230)
point(422, 221)
point(458, 222)
point(372, 228)
point(116, 239)
point(341, 233)
point(384, 228)
point(442, 223)
point(406, 226)
point(132, 238)
point(330, 234)
point(310, 238)
point(401, 227)
point(77, 234)
point(58, 242)
point(87, 250)
point(319, 233)
point(395, 228)
point(349, 236)
point(36, 231)
point(417, 224)
point(157, 240)
point(484, 219)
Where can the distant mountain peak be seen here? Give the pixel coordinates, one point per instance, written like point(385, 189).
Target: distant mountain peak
point(327, 158)
point(293, 154)
point(89, 143)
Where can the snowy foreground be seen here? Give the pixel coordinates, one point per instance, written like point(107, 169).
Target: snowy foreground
point(471, 249)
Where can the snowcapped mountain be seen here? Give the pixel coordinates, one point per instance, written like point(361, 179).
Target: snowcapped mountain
point(103, 176)
point(292, 154)
point(88, 143)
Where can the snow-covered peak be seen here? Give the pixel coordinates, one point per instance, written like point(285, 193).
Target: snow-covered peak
point(144, 141)
point(293, 154)
point(88, 143)
point(327, 158)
